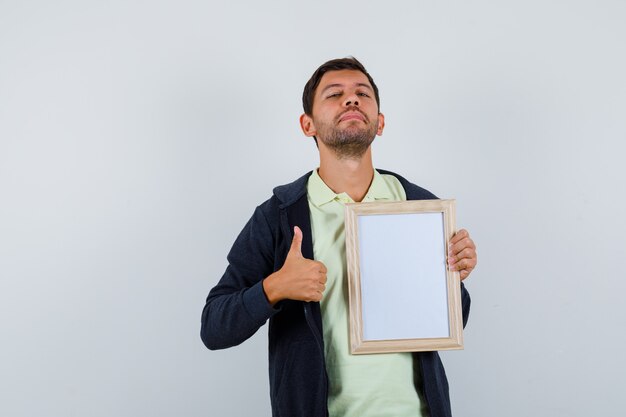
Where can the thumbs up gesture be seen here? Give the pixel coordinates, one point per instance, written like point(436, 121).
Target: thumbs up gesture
point(299, 278)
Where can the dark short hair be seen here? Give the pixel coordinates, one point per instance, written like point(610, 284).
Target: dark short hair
point(349, 63)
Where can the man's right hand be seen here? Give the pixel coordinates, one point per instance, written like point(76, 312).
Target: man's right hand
point(299, 278)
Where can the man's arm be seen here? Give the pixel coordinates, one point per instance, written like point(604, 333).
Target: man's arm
point(466, 302)
point(245, 297)
point(237, 306)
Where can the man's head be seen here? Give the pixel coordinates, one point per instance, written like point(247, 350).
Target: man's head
point(349, 63)
point(341, 109)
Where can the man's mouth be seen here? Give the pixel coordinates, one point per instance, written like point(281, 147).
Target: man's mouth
point(352, 115)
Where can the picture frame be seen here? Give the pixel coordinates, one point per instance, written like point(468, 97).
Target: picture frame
point(402, 295)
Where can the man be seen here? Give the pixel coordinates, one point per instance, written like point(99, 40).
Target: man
point(288, 265)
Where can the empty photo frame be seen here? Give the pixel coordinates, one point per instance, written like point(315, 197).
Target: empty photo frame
point(402, 296)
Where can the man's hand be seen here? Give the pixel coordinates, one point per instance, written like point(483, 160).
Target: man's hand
point(462, 254)
point(299, 278)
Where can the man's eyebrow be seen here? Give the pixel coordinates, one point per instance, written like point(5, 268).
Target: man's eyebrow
point(342, 85)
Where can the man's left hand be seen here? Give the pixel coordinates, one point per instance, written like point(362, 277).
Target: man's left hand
point(462, 253)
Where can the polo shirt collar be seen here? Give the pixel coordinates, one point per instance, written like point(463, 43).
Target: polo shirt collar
point(320, 193)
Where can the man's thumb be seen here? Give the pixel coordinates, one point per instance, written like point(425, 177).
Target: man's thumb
point(296, 243)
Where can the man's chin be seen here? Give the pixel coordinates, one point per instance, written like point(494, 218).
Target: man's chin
point(350, 148)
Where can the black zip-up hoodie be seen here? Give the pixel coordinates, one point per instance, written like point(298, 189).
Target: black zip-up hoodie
point(237, 307)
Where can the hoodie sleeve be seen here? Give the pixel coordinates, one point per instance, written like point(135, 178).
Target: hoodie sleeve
point(237, 306)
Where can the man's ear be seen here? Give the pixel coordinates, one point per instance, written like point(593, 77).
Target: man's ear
point(381, 124)
point(307, 125)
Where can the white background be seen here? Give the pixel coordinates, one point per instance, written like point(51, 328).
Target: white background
point(136, 138)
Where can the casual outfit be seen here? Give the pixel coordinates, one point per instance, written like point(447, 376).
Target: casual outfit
point(308, 341)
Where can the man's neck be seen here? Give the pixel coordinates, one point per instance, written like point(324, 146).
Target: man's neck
point(352, 176)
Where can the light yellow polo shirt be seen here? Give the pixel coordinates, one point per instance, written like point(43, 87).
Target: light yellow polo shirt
point(359, 385)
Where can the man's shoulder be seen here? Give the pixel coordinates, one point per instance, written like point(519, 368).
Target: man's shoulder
point(286, 194)
point(289, 193)
point(413, 191)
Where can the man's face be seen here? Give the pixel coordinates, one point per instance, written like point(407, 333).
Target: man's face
point(345, 115)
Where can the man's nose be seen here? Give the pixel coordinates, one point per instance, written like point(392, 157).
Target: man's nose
point(351, 100)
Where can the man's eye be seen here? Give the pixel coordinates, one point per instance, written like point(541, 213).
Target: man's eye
point(363, 94)
point(334, 95)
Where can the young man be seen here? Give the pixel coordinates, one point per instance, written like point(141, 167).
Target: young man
point(288, 265)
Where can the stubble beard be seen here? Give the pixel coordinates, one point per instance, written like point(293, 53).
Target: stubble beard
point(348, 143)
